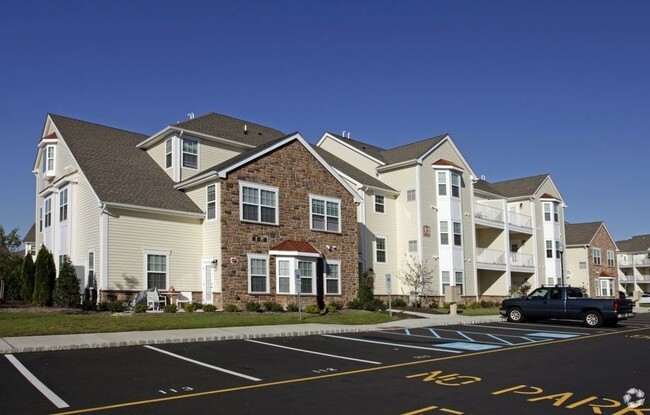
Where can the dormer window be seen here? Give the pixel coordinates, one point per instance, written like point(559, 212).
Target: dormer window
point(190, 154)
point(48, 160)
point(168, 153)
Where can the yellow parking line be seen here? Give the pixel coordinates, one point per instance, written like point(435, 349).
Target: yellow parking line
point(333, 375)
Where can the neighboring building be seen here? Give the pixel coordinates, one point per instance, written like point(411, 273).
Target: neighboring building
point(227, 209)
point(423, 201)
point(29, 242)
point(590, 259)
point(634, 264)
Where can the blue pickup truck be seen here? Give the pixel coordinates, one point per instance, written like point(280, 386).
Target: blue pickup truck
point(567, 303)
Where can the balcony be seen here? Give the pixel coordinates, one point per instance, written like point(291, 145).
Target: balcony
point(490, 256)
point(522, 221)
point(625, 263)
point(644, 262)
point(518, 259)
point(488, 213)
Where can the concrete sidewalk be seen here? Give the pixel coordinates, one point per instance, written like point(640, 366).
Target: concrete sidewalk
point(136, 338)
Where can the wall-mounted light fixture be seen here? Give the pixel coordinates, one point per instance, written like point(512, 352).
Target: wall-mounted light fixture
point(214, 263)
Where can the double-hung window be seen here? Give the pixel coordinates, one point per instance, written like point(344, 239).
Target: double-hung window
point(325, 214)
point(258, 274)
point(455, 185)
point(413, 246)
point(549, 249)
point(557, 249)
point(157, 270)
point(258, 203)
point(442, 183)
point(444, 232)
point(211, 202)
point(284, 275)
point(459, 280)
point(547, 212)
point(190, 153)
point(556, 214)
point(597, 256)
point(63, 205)
point(445, 279)
point(168, 153)
point(610, 258)
point(410, 195)
point(48, 160)
point(48, 212)
point(380, 205)
point(333, 278)
point(458, 237)
point(380, 249)
point(606, 287)
point(307, 277)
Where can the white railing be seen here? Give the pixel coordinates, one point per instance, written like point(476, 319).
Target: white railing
point(625, 278)
point(518, 259)
point(490, 256)
point(517, 219)
point(625, 263)
point(643, 277)
point(642, 261)
point(488, 213)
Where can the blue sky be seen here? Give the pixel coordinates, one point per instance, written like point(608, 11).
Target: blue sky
point(523, 87)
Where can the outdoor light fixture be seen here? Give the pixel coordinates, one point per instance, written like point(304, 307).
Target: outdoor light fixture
point(214, 263)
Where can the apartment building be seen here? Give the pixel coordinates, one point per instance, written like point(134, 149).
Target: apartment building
point(590, 259)
point(227, 209)
point(634, 264)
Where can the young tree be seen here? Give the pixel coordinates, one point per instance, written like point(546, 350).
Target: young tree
point(10, 263)
point(417, 276)
point(67, 292)
point(27, 279)
point(44, 275)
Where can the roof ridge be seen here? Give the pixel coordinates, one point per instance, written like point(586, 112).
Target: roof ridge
point(96, 124)
point(522, 178)
point(418, 142)
point(226, 116)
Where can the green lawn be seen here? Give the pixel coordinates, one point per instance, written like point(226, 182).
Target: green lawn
point(44, 323)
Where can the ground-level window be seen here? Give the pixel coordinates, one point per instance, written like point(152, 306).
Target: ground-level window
point(459, 280)
point(284, 276)
point(258, 274)
point(606, 287)
point(91, 269)
point(333, 277)
point(157, 270)
point(307, 277)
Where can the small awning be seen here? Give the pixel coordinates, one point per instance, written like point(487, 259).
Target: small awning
point(295, 248)
point(606, 274)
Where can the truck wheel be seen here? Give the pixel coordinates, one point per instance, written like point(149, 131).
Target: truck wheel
point(592, 319)
point(514, 315)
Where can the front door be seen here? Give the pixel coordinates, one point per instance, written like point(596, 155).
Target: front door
point(207, 284)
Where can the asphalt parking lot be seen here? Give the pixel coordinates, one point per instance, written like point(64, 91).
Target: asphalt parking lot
point(496, 368)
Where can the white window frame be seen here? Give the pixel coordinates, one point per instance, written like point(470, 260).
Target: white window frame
point(413, 245)
point(265, 258)
point(556, 212)
point(326, 216)
point(91, 268)
point(382, 249)
point(459, 280)
point(63, 205)
point(49, 160)
point(289, 276)
point(211, 202)
point(329, 277)
point(549, 248)
point(442, 183)
point(444, 232)
point(458, 236)
point(380, 204)
point(610, 258)
point(259, 205)
point(164, 254)
point(455, 187)
point(186, 164)
point(598, 260)
point(445, 280)
point(410, 195)
point(605, 287)
point(547, 211)
point(312, 278)
point(47, 212)
point(169, 153)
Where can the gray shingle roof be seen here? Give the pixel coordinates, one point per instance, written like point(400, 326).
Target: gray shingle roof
point(230, 128)
point(526, 186)
point(636, 243)
point(351, 171)
point(117, 170)
point(395, 155)
point(581, 233)
point(486, 187)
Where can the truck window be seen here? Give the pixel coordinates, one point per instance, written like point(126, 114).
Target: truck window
point(556, 294)
point(574, 293)
point(538, 294)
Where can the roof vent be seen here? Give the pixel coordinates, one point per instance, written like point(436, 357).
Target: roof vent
point(245, 129)
point(344, 136)
point(190, 115)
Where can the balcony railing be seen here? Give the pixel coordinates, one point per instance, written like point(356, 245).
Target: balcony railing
point(625, 263)
point(488, 213)
point(490, 256)
point(642, 261)
point(517, 259)
point(517, 219)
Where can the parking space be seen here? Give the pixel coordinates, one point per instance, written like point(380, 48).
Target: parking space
point(505, 363)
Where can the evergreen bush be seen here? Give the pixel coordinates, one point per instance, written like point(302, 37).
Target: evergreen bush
point(209, 308)
point(170, 308)
point(44, 274)
point(67, 292)
point(232, 308)
point(253, 306)
point(140, 308)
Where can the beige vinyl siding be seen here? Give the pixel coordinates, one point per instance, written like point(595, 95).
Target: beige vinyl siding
point(211, 153)
point(132, 233)
point(350, 155)
point(157, 153)
point(382, 225)
point(210, 229)
point(87, 233)
point(575, 276)
point(64, 162)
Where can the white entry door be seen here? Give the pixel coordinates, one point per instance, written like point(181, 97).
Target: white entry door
point(207, 284)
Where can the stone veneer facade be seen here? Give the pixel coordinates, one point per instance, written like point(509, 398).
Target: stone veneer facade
point(603, 241)
point(297, 174)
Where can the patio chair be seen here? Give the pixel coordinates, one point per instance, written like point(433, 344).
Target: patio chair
point(184, 297)
point(154, 300)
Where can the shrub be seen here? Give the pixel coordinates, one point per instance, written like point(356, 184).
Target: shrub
point(398, 302)
point(475, 305)
point(355, 304)
point(312, 309)
point(253, 306)
point(114, 306)
point(189, 307)
point(292, 307)
point(170, 308)
point(232, 308)
point(44, 276)
point(27, 279)
point(140, 308)
point(334, 306)
point(90, 306)
point(209, 308)
point(66, 289)
point(374, 305)
point(273, 307)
